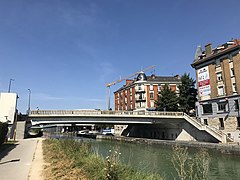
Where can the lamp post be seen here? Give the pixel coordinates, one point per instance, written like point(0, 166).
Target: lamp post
point(9, 86)
point(29, 101)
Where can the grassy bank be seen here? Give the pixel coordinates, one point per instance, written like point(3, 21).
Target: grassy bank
point(67, 159)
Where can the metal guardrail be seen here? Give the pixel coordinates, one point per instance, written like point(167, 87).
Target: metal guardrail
point(99, 112)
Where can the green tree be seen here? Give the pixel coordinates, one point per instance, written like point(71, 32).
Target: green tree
point(167, 100)
point(187, 93)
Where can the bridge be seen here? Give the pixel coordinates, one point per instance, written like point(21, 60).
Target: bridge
point(179, 123)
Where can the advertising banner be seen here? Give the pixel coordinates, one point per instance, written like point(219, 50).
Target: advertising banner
point(203, 81)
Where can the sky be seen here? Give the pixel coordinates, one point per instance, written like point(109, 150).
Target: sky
point(66, 51)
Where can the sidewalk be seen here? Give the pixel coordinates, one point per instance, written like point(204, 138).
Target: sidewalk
point(23, 162)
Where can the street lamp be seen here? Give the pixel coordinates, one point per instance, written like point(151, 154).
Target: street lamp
point(29, 101)
point(9, 86)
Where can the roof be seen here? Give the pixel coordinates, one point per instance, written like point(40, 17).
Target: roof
point(154, 79)
point(163, 79)
point(216, 52)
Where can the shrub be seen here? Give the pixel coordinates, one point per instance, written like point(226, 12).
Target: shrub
point(3, 132)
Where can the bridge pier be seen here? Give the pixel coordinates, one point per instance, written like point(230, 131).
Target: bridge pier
point(178, 132)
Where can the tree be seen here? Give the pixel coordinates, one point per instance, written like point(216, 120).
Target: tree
point(187, 93)
point(167, 100)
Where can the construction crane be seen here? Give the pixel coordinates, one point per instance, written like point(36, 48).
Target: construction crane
point(120, 80)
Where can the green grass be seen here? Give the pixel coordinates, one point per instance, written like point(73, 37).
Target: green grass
point(78, 157)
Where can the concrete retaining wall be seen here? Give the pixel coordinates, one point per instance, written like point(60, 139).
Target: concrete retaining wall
point(223, 148)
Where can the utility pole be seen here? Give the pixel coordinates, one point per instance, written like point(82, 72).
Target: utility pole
point(9, 86)
point(29, 101)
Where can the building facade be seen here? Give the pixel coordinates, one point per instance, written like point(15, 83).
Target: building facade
point(142, 92)
point(218, 83)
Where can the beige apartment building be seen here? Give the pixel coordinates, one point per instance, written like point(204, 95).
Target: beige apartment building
point(218, 84)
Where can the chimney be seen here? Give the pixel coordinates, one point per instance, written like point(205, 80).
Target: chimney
point(208, 49)
point(198, 53)
point(128, 81)
point(153, 76)
point(177, 76)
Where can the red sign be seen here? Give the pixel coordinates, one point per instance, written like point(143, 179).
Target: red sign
point(204, 83)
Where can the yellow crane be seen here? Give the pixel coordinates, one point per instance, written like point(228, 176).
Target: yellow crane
point(122, 79)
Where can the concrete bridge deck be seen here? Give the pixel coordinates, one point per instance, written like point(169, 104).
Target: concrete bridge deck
point(175, 119)
point(97, 116)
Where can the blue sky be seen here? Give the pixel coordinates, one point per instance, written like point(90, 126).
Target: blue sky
point(66, 51)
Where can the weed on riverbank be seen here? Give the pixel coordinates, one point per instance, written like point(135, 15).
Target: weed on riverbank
point(68, 159)
point(191, 168)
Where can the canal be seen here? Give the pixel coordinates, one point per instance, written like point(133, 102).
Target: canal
point(157, 158)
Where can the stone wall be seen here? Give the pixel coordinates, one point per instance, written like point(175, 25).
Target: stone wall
point(230, 123)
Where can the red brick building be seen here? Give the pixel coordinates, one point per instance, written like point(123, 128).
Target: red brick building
point(142, 92)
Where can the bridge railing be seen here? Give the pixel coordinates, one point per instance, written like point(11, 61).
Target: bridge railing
point(63, 112)
point(99, 112)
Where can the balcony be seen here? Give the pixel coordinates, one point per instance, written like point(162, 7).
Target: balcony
point(137, 99)
point(139, 89)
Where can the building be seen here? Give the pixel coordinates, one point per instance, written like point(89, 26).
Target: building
point(218, 83)
point(142, 92)
point(8, 104)
point(8, 111)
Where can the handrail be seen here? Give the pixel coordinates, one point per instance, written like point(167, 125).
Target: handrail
point(220, 132)
point(214, 130)
point(95, 112)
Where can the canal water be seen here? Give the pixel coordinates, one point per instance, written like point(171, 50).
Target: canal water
point(157, 159)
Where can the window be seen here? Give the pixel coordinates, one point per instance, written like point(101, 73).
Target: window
point(217, 62)
point(151, 87)
point(139, 87)
point(221, 123)
point(238, 122)
point(139, 104)
point(222, 106)
point(207, 108)
point(232, 72)
point(152, 103)
point(236, 105)
point(219, 76)
point(205, 121)
point(140, 96)
point(234, 87)
point(220, 91)
point(159, 88)
point(151, 95)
